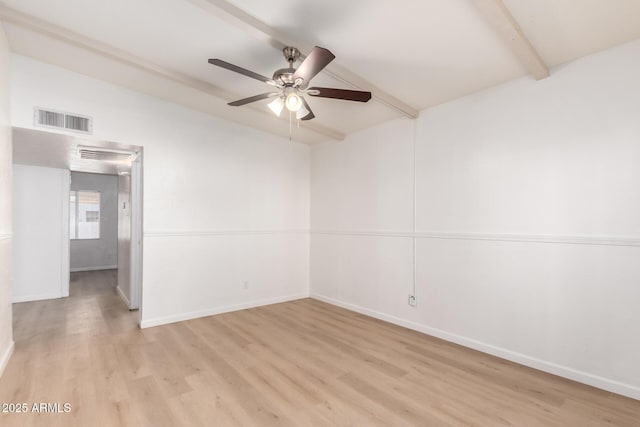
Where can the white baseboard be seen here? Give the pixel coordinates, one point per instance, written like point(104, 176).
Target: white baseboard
point(532, 362)
point(123, 296)
point(103, 267)
point(4, 360)
point(148, 323)
point(39, 297)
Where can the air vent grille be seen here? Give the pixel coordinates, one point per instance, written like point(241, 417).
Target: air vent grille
point(104, 154)
point(50, 118)
point(61, 120)
point(76, 123)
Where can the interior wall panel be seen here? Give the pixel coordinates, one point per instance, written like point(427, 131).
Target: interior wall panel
point(370, 182)
point(571, 304)
point(203, 177)
point(233, 269)
point(527, 225)
point(369, 271)
point(40, 238)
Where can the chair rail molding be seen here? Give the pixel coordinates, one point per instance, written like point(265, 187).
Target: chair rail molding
point(221, 232)
point(500, 237)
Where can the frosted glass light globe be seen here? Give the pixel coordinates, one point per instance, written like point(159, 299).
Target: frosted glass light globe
point(293, 102)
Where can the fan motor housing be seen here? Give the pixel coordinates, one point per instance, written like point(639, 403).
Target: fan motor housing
point(284, 75)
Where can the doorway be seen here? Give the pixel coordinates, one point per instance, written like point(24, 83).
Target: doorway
point(99, 225)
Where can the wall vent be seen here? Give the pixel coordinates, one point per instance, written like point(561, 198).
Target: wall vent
point(105, 154)
point(61, 120)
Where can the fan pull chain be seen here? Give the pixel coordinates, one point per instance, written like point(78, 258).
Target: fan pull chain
point(290, 129)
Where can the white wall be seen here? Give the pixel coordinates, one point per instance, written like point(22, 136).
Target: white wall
point(6, 335)
point(222, 203)
point(102, 253)
point(527, 221)
point(40, 237)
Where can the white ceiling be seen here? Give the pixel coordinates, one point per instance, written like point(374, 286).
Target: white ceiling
point(423, 52)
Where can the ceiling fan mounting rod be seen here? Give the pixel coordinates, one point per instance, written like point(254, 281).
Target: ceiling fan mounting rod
point(285, 75)
point(291, 54)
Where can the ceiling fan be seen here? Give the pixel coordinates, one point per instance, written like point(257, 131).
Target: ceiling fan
point(291, 83)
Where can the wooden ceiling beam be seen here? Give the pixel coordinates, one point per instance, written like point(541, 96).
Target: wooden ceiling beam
point(500, 18)
point(232, 14)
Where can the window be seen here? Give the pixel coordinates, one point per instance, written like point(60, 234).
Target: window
point(84, 215)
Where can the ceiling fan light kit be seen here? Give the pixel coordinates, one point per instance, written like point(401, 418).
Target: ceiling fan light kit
point(302, 112)
point(292, 100)
point(276, 106)
point(292, 83)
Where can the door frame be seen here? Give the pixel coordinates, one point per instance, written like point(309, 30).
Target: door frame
point(65, 268)
point(135, 271)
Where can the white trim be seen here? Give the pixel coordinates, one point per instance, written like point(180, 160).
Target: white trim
point(4, 360)
point(136, 234)
point(532, 362)
point(38, 297)
point(237, 232)
point(124, 297)
point(413, 297)
point(65, 247)
point(148, 323)
point(500, 237)
point(96, 268)
point(5, 236)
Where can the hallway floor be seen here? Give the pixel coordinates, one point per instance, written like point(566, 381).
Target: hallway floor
point(55, 341)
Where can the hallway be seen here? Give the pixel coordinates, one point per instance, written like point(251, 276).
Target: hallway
point(57, 340)
point(93, 307)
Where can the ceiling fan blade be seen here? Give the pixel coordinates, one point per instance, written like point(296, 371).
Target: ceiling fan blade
point(240, 70)
point(253, 99)
point(347, 95)
point(313, 64)
point(310, 115)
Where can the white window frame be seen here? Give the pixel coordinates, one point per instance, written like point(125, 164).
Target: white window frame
point(77, 208)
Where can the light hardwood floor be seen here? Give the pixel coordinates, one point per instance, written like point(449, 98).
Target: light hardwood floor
point(302, 363)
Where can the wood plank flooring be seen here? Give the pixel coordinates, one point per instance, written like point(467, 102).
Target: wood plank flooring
point(301, 363)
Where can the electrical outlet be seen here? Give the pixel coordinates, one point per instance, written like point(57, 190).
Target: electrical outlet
point(412, 300)
point(245, 285)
